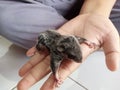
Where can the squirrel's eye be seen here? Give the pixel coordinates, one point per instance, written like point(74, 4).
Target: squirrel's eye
point(61, 48)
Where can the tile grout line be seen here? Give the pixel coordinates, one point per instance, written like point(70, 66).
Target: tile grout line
point(77, 83)
point(14, 88)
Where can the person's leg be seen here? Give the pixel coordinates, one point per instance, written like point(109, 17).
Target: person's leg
point(21, 22)
point(115, 15)
point(62, 6)
point(67, 8)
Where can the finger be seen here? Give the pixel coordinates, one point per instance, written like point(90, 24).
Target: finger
point(31, 63)
point(37, 73)
point(31, 51)
point(111, 47)
point(49, 84)
point(66, 68)
point(64, 72)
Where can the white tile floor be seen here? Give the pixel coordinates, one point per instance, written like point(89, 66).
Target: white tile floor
point(93, 73)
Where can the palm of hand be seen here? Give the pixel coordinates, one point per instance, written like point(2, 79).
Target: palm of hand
point(101, 31)
point(94, 28)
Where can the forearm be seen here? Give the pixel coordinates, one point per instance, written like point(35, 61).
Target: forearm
point(102, 7)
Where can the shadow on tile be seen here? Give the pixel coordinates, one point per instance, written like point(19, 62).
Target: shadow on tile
point(12, 61)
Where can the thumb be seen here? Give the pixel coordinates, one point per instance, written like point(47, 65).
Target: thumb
point(111, 48)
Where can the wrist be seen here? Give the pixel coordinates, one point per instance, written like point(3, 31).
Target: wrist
point(102, 7)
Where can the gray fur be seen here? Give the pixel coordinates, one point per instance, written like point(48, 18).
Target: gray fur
point(60, 47)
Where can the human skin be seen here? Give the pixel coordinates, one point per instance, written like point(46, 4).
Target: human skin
point(95, 26)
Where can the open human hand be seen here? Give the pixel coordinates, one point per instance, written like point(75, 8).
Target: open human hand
point(95, 28)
